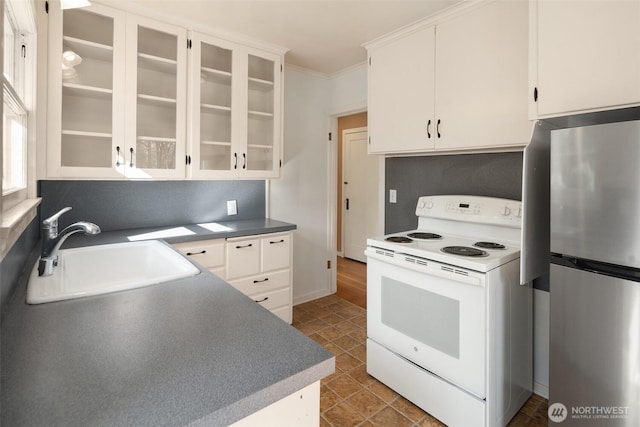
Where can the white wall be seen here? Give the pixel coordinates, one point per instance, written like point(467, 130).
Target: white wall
point(541, 343)
point(300, 196)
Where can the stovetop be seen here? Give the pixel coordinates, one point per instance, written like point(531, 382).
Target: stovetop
point(461, 221)
point(432, 250)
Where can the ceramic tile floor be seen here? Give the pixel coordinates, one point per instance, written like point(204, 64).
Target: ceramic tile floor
point(351, 397)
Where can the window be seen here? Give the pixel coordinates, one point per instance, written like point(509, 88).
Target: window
point(18, 85)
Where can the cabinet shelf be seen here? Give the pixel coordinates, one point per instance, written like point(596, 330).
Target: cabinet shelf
point(218, 143)
point(157, 63)
point(88, 49)
point(261, 146)
point(155, 139)
point(216, 108)
point(156, 100)
point(84, 90)
point(261, 82)
point(85, 133)
point(214, 72)
point(260, 113)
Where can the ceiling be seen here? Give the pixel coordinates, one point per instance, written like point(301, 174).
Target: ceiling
point(324, 36)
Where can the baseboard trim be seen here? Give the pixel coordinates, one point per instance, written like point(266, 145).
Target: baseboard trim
point(541, 390)
point(301, 299)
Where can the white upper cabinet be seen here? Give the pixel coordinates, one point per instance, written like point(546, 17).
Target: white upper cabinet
point(454, 82)
point(585, 56)
point(156, 99)
point(401, 94)
point(86, 92)
point(128, 108)
point(481, 78)
point(235, 112)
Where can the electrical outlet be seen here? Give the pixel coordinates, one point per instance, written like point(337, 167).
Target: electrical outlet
point(393, 194)
point(232, 207)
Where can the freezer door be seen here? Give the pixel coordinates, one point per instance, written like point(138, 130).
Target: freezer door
point(594, 348)
point(595, 195)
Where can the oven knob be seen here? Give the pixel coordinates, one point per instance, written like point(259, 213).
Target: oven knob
point(421, 204)
point(506, 211)
point(429, 204)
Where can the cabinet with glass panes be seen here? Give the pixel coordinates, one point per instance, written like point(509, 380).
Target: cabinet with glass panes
point(118, 100)
point(235, 118)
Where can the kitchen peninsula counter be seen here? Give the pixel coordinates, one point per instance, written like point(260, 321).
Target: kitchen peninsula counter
point(190, 351)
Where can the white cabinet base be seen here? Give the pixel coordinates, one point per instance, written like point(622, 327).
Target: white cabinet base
point(299, 409)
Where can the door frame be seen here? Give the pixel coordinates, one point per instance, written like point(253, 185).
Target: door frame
point(332, 189)
point(343, 207)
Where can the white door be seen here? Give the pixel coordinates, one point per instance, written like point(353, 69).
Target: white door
point(360, 194)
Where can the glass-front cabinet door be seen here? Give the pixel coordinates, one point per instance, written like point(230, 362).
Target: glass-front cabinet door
point(235, 110)
point(86, 92)
point(212, 106)
point(263, 115)
point(156, 100)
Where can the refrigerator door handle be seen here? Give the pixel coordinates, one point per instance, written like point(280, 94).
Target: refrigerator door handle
point(621, 272)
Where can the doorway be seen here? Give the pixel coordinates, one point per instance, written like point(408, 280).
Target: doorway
point(350, 275)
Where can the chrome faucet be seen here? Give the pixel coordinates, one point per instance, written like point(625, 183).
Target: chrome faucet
point(52, 240)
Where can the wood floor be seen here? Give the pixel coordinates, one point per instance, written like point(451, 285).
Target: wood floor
point(352, 281)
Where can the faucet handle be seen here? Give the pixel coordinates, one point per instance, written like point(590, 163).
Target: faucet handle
point(52, 221)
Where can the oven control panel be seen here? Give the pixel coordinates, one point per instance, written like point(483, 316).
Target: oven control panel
point(489, 210)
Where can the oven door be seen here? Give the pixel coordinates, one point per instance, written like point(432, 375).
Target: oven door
point(431, 314)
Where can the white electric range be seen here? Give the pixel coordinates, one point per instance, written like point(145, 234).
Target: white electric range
point(449, 326)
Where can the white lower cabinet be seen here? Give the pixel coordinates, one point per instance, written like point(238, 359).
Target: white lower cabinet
point(208, 253)
point(260, 267)
point(301, 408)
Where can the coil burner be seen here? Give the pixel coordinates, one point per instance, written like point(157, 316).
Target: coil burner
point(464, 251)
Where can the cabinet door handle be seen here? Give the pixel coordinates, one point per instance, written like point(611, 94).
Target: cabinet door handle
point(235, 156)
point(277, 241)
point(262, 300)
point(244, 158)
point(429, 131)
point(131, 151)
point(196, 253)
point(535, 94)
point(438, 128)
point(266, 279)
point(118, 156)
point(244, 246)
point(346, 202)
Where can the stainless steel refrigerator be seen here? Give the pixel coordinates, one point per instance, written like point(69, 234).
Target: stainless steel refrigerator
point(594, 372)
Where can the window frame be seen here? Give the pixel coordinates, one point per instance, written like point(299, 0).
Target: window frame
point(18, 208)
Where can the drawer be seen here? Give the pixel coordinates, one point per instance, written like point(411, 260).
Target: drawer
point(243, 257)
point(208, 253)
point(262, 283)
point(275, 299)
point(276, 251)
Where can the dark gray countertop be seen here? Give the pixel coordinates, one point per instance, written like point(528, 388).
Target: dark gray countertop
point(189, 351)
point(185, 233)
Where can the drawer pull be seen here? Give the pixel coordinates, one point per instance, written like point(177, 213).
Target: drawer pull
point(260, 281)
point(196, 253)
point(244, 246)
point(277, 241)
point(262, 300)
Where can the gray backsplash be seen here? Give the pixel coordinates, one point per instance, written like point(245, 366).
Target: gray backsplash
point(12, 267)
point(118, 205)
point(494, 175)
